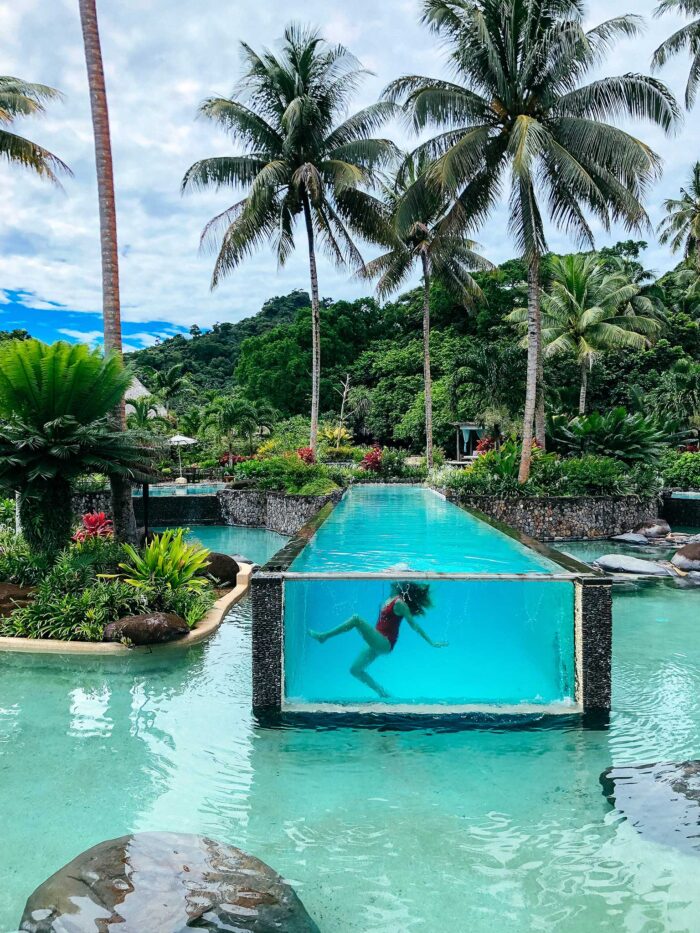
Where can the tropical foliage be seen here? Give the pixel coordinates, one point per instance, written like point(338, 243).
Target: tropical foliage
point(685, 39)
point(22, 99)
point(55, 424)
point(681, 226)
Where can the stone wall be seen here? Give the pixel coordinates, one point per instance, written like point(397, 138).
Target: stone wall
point(162, 510)
point(679, 512)
point(562, 519)
point(272, 510)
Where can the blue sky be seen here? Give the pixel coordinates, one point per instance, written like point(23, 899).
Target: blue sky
point(161, 59)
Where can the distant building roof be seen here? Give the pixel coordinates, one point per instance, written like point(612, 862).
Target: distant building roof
point(138, 390)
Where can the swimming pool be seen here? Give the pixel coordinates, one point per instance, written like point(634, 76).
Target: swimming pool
point(380, 830)
point(191, 489)
point(257, 544)
point(496, 630)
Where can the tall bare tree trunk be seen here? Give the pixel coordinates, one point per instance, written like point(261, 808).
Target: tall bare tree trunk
point(533, 358)
point(315, 327)
point(584, 388)
point(427, 376)
point(540, 423)
point(122, 502)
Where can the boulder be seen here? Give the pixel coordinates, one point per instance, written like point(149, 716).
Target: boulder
point(623, 563)
point(13, 597)
point(661, 801)
point(151, 628)
point(659, 528)
point(222, 568)
point(631, 538)
point(687, 557)
point(165, 882)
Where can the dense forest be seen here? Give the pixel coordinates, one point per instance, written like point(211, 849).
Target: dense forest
point(478, 363)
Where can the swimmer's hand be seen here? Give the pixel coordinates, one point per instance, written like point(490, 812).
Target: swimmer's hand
point(440, 644)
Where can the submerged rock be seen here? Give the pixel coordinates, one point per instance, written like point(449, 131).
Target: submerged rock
point(222, 568)
point(662, 801)
point(631, 538)
point(165, 883)
point(623, 563)
point(659, 528)
point(687, 557)
point(152, 628)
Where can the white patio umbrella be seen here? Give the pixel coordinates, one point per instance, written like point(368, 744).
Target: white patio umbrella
point(180, 441)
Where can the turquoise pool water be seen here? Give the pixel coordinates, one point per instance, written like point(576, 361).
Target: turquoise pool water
point(257, 544)
point(506, 642)
point(498, 830)
point(191, 489)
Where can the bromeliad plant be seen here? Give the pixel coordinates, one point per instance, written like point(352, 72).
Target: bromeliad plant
point(55, 425)
point(167, 561)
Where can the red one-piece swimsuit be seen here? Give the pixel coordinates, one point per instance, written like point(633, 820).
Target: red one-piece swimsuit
point(389, 622)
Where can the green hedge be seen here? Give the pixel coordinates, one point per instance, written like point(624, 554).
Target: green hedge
point(681, 470)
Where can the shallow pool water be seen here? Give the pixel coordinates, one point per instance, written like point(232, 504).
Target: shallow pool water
point(381, 830)
point(376, 527)
point(257, 544)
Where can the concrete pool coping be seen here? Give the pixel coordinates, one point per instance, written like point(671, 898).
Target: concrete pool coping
point(203, 630)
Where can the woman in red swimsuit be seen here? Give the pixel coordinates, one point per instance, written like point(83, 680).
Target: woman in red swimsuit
point(407, 601)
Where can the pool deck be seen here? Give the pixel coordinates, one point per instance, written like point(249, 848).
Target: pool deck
point(203, 630)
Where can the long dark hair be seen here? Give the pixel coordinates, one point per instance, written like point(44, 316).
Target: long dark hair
point(415, 595)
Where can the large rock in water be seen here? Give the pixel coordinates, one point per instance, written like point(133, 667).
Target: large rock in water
point(658, 528)
point(165, 883)
point(687, 557)
point(623, 563)
point(631, 538)
point(152, 628)
point(662, 801)
point(222, 568)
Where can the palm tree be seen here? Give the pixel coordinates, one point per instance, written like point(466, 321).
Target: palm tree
point(55, 424)
point(687, 37)
point(242, 417)
point(298, 160)
point(587, 311)
point(145, 413)
point(519, 106)
point(417, 236)
point(21, 99)
point(167, 383)
point(122, 502)
point(681, 226)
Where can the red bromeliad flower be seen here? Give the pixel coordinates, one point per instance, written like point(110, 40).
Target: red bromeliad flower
point(372, 461)
point(229, 459)
point(95, 525)
point(306, 454)
point(485, 444)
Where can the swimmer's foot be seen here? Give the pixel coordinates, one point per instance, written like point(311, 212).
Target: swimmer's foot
point(319, 636)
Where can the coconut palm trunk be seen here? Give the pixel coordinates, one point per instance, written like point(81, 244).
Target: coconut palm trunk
point(427, 377)
point(122, 502)
point(584, 388)
point(315, 326)
point(534, 354)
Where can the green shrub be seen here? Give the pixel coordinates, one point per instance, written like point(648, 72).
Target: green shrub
point(7, 514)
point(318, 487)
point(286, 474)
point(631, 438)
point(681, 470)
point(346, 453)
point(168, 560)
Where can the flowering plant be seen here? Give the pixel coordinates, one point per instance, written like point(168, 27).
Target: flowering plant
point(94, 525)
point(306, 454)
point(228, 459)
point(372, 460)
point(485, 444)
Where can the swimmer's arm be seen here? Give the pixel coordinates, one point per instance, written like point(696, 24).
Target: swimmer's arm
point(401, 609)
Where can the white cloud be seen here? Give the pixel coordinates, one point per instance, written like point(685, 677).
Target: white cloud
point(84, 336)
point(161, 59)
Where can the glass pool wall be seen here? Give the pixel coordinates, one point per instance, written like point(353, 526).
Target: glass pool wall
point(502, 642)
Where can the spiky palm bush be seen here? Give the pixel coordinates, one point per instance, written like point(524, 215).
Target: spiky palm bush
point(55, 424)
